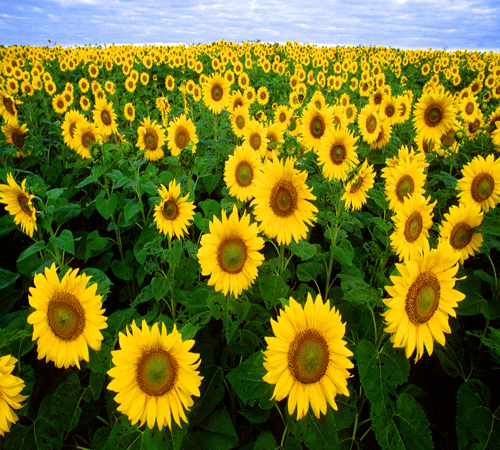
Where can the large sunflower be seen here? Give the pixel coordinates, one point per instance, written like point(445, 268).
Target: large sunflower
point(19, 204)
point(458, 229)
point(240, 171)
point(412, 222)
point(85, 135)
point(71, 119)
point(154, 375)
point(337, 153)
point(481, 182)
point(307, 360)
point(67, 318)
point(174, 213)
point(10, 393)
point(314, 123)
point(216, 93)
point(434, 113)
point(152, 139)
point(105, 117)
point(355, 191)
point(230, 253)
point(282, 201)
point(180, 132)
point(422, 298)
point(402, 180)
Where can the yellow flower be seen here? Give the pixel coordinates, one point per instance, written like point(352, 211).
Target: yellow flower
point(8, 109)
point(67, 317)
point(105, 117)
point(180, 132)
point(355, 191)
point(240, 171)
point(16, 135)
point(216, 93)
point(154, 375)
point(313, 125)
point(10, 393)
point(71, 119)
point(369, 123)
point(307, 358)
point(402, 180)
point(254, 137)
point(152, 139)
point(337, 153)
point(85, 135)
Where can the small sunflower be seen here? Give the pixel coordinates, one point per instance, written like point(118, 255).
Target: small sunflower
point(421, 299)
point(181, 132)
point(154, 375)
point(10, 393)
point(369, 123)
point(480, 183)
point(314, 123)
point(19, 204)
point(355, 191)
point(174, 213)
point(71, 119)
point(152, 139)
point(129, 111)
point(230, 253)
point(402, 180)
point(105, 117)
point(239, 118)
point(16, 135)
point(85, 135)
point(216, 93)
point(307, 359)
point(458, 229)
point(282, 201)
point(254, 137)
point(67, 317)
point(8, 109)
point(262, 95)
point(337, 153)
point(58, 104)
point(282, 116)
point(240, 171)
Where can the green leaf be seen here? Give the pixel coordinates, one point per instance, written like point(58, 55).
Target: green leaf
point(66, 403)
point(212, 392)
point(357, 291)
point(7, 278)
point(132, 208)
point(303, 249)
point(412, 424)
point(477, 427)
point(30, 251)
point(343, 253)
point(123, 436)
point(309, 271)
point(272, 287)
point(266, 441)
point(106, 206)
point(122, 269)
point(100, 278)
point(64, 241)
point(165, 439)
point(96, 244)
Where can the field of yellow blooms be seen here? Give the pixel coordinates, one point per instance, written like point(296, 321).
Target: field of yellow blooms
point(249, 246)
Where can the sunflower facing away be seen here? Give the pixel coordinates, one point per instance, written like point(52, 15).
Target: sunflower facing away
point(356, 189)
point(180, 132)
point(19, 204)
point(240, 171)
point(282, 201)
point(481, 182)
point(230, 253)
point(10, 393)
point(307, 359)
point(422, 299)
point(68, 317)
point(154, 375)
point(174, 213)
point(152, 139)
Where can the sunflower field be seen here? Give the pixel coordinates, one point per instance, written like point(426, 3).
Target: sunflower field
point(253, 246)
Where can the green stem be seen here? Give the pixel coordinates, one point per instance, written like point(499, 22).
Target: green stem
point(115, 225)
point(173, 303)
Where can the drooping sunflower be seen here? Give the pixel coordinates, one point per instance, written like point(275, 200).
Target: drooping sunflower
point(254, 136)
point(458, 229)
point(10, 393)
point(240, 171)
point(402, 180)
point(68, 317)
point(181, 132)
point(105, 117)
point(314, 123)
point(307, 359)
point(174, 213)
point(283, 201)
point(356, 190)
point(71, 119)
point(369, 123)
point(216, 93)
point(8, 109)
point(85, 135)
point(230, 253)
point(19, 204)
point(337, 153)
point(152, 139)
point(154, 375)
point(434, 113)
point(480, 183)
point(412, 222)
point(421, 299)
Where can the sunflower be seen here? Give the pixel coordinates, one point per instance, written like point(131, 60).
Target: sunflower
point(402, 180)
point(262, 95)
point(230, 253)
point(174, 213)
point(180, 133)
point(282, 116)
point(337, 153)
point(240, 170)
point(369, 123)
point(8, 109)
point(71, 119)
point(275, 137)
point(314, 123)
point(84, 103)
point(239, 118)
point(152, 139)
point(19, 204)
point(435, 112)
point(85, 135)
point(10, 393)
point(468, 109)
point(355, 191)
point(480, 183)
point(307, 359)
point(105, 117)
point(458, 229)
point(16, 135)
point(216, 93)
point(384, 135)
point(129, 112)
point(412, 222)
point(282, 201)
point(67, 318)
point(422, 299)
point(154, 375)
point(254, 136)
point(237, 100)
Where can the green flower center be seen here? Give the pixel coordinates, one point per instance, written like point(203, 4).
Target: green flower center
point(240, 122)
point(170, 210)
point(461, 235)
point(469, 108)
point(404, 187)
point(232, 255)
point(422, 298)
point(244, 174)
point(156, 372)
point(283, 199)
point(66, 316)
point(308, 356)
point(482, 187)
point(413, 227)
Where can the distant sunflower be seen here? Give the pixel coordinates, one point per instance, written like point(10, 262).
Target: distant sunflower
point(254, 136)
point(480, 183)
point(154, 375)
point(68, 317)
point(337, 153)
point(458, 229)
point(307, 359)
point(71, 119)
point(85, 135)
point(129, 112)
point(230, 253)
point(403, 180)
point(16, 135)
point(58, 104)
point(412, 222)
point(384, 135)
point(8, 109)
point(174, 213)
point(180, 133)
point(369, 123)
point(282, 116)
point(216, 93)
point(10, 393)
point(152, 139)
point(262, 95)
point(275, 137)
point(421, 300)
point(240, 171)
point(314, 123)
point(239, 118)
point(19, 203)
point(105, 117)
point(283, 201)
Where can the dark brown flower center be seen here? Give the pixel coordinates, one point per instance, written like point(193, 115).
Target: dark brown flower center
point(232, 255)
point(151, 140)
point(182, 137)
point(413, 227)
point(18, 139)
point(482, 187)
point(433, 115)
point(460, 235)
point(469, 108)
point(371, 123)
point(66, 316)
point(240, 122)
point(255, 140)
point(356, 184)
point(170, 210)
point(404, 187)
point(88, 139)
point(389, 110)
point(244, 174)
point(156, 372)
point(308, 356)
point(337, 154)
point(317, 126)
point(106, 118)
point(216, 92)
point(23, 202)
point(283, 200)
point(422, 298)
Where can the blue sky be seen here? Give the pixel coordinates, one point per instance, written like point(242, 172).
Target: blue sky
point(403, 24)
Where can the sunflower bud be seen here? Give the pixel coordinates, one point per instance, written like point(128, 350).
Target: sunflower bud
point(186, 158)
point(459, 135)
point(95, 151)
point(127, 150)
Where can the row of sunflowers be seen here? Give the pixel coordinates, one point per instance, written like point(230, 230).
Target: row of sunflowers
point(282, 221)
